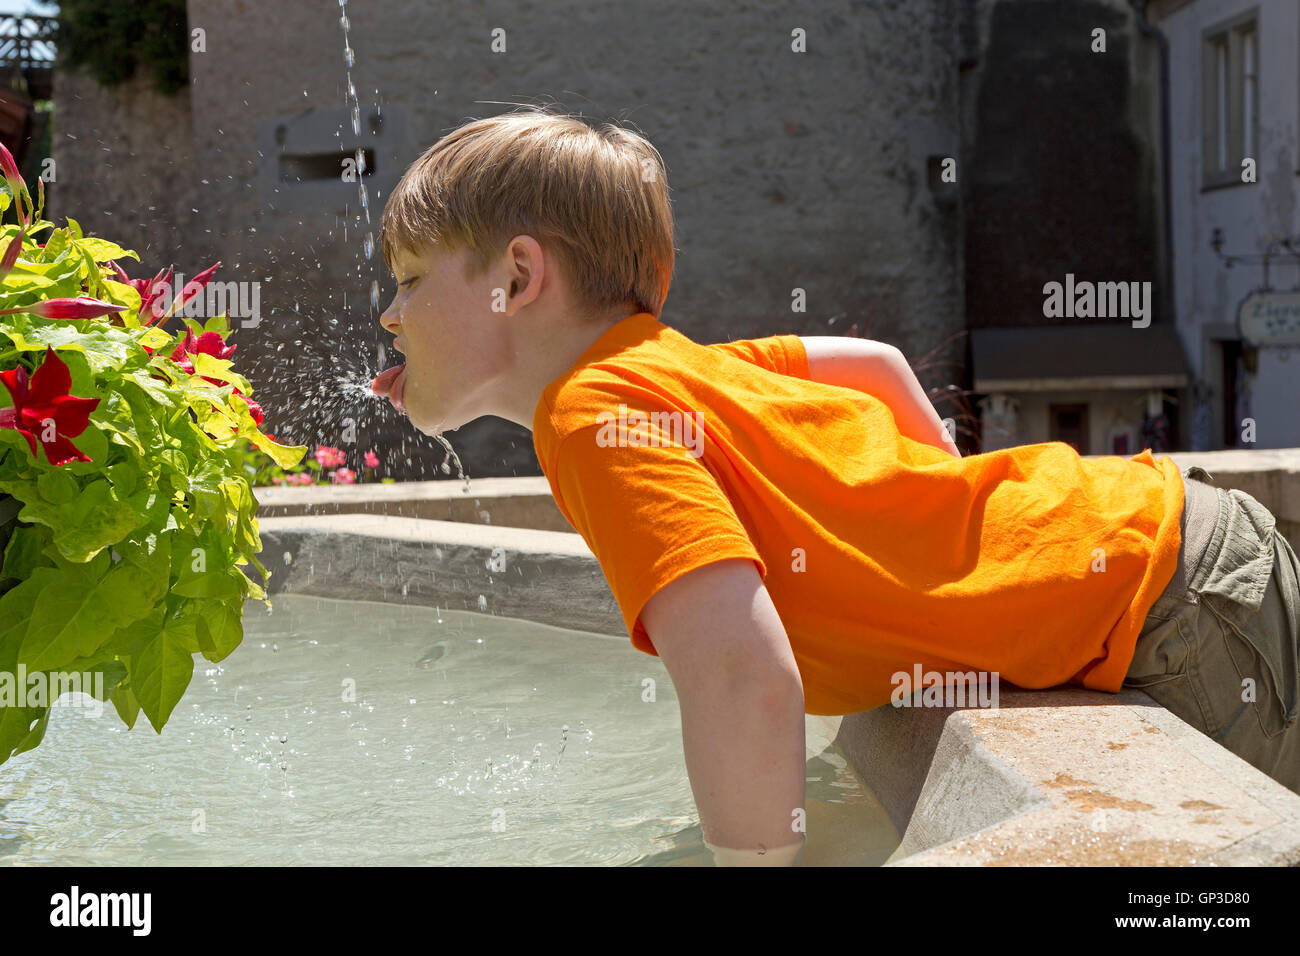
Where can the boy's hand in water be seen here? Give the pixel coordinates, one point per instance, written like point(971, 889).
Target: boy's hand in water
point(742, 705)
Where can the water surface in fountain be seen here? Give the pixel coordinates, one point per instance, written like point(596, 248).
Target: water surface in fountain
point(348, 732)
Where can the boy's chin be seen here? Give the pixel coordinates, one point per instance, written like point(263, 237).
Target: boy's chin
point(432, 429)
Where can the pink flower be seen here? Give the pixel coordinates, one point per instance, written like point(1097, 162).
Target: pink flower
point(372, 460)
point(344, 476)
point(330, 457)
point(277, 481)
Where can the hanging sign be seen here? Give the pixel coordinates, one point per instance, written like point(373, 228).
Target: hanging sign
point(1270, 318)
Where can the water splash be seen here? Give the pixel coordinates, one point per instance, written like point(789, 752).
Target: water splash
point(338, 391)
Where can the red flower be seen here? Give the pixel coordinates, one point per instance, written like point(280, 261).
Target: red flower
point(82, 307)
point(42, 407)
point(152, 291)
point(16, 184)
point(209, 343)
point(11, 253)
point(372, 460)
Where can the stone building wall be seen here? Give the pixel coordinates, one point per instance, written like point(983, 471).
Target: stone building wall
point(1063, 152)
point(124, 168)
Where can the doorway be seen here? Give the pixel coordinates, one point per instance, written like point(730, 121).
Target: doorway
point(1069, 424)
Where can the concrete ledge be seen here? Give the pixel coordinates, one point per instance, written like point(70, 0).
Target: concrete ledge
point(1051, 777)
point(1068, 777)
point(544, 576)
point(508, 502)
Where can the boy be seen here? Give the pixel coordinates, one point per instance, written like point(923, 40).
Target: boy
point(784, 521)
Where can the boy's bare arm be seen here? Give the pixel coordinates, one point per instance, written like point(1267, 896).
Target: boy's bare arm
point(882, 370)
point(742, 707)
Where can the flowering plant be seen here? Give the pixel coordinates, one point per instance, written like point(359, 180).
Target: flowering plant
point(125, 513)
point(326, 464)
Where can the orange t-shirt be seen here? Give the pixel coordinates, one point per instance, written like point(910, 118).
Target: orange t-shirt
point(879, 552)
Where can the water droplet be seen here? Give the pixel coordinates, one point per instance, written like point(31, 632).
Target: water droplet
point(482, 603)
point(374, 299)
point(349, 57)
point(369, 245)
point(287, 556)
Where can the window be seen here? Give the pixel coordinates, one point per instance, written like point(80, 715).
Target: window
point(1230, 99)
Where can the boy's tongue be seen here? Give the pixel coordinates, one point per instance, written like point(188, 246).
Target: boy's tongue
point(383, 383)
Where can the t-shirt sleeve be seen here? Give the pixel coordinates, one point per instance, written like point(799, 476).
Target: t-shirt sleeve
point(650, 513)
point(776, 353)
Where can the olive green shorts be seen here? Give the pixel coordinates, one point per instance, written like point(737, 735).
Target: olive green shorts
point(1221, 647)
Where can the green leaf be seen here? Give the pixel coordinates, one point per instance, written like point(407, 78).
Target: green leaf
point(23, 553)
point(56, 246)
point(17, 724)
point(82, 527)
point(286, 456)
point(130, 640)
point(161, 672)
point(32, 738)
point(77, 612)
point(222, 631)
point(113, 673)
point(102, 250)
point(57, 486)
point(210, 366)
point(128, 708)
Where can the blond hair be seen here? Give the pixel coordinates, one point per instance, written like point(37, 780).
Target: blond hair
point(595, 198)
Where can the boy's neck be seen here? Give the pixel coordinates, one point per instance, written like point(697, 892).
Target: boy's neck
point(536, 367)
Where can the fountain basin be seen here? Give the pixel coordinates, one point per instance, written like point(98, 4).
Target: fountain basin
point(1066, 776)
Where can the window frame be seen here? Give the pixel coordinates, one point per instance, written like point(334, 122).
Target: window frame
point(1228, 35)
